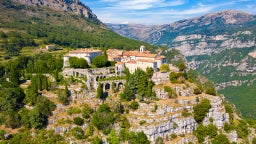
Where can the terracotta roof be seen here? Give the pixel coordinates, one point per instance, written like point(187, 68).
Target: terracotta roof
point(119, 63)
point(85, 51)
point(148, 61)
point(160, 57)
point(139, 54)
point(133, 62)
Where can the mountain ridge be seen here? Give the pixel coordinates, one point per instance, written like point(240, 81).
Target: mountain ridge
point(74, 6)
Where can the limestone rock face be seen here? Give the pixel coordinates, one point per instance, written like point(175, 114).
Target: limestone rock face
point(217, 113)
point(168, 119)
point(74, 6)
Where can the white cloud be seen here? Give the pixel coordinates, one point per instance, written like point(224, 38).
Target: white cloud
point(142, 4)
point(162, 11)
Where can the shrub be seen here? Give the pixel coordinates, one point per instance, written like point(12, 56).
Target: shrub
point(78, 121)
point(212, 130)
point(185, 113)
point(220, 139)
point(228, 127)
point(254, 141)
point(77, 132)
point(103, 118)
point(86, 111)
point(175, 125)
point(134, 105)
point(142, 122)
point(159, 140)
point(201, 133)
point(201, 109)
point(2, 133)
point(242, 129)
point(73, 110)
point(173, 136)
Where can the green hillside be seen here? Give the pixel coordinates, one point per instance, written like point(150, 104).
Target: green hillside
point(232, 65)
point(29, 26)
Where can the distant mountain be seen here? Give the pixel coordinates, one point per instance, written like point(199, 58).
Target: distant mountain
point(212, 27)
point(219, 46)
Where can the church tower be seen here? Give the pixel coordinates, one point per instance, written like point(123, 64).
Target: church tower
point(142, 49)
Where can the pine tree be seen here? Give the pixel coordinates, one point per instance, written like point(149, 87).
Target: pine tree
point(99, 91)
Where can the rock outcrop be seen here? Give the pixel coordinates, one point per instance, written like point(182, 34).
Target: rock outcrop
point(74, 6)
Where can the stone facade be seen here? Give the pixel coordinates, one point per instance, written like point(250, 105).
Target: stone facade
point(87, 54)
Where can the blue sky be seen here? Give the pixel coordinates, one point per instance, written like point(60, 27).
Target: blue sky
point(162, 11)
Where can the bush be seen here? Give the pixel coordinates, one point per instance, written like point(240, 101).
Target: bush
point(201, 109)
point(78, 121)
point(185, 113)
point(2, 133)
point(134, 105)
point(159, 140)
point(103, 118)
point(173, 136)
point(86, 111)
point(220, 139)
point(228, 127)
point(177, 77)
point(201, 133)
point(77, 132)
point(212, 130)
point(254, 141)
point(142, 122)
point(97, 140)
point(78, 62)
point(242, 129)
point(138, 138)
point(198, 90)
point(101, 61)
point(73, 110)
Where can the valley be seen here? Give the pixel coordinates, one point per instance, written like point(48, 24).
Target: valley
point(219, 46)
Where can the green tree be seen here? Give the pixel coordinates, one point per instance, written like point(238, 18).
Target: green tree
point(134, 105)
point(220, 139)
point(103, 118)
point(24, 114)
point(138, 138)
point(2, 133)
point(75, 62)
point(201, 109)
point(11, 98)
point(149, 72)
point(201, 133)
point(78, 121)
point(254, 141)
point(101, 61)
point(113, 138)
point(77, 132)
point(86, 111)
point(182, 66)
point(14, 74)
point(212, 130)
point(164, 68)
point(99, 91)
point(36, 119)
point(11, 119)
point(63, 95)
point(159, 140)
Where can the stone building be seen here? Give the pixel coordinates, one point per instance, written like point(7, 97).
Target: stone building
point(87, 54)
point(137, 59)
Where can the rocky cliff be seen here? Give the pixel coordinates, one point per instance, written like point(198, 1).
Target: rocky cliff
point(74, 6)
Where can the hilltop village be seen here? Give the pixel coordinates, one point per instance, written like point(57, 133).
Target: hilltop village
point(165, 115)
